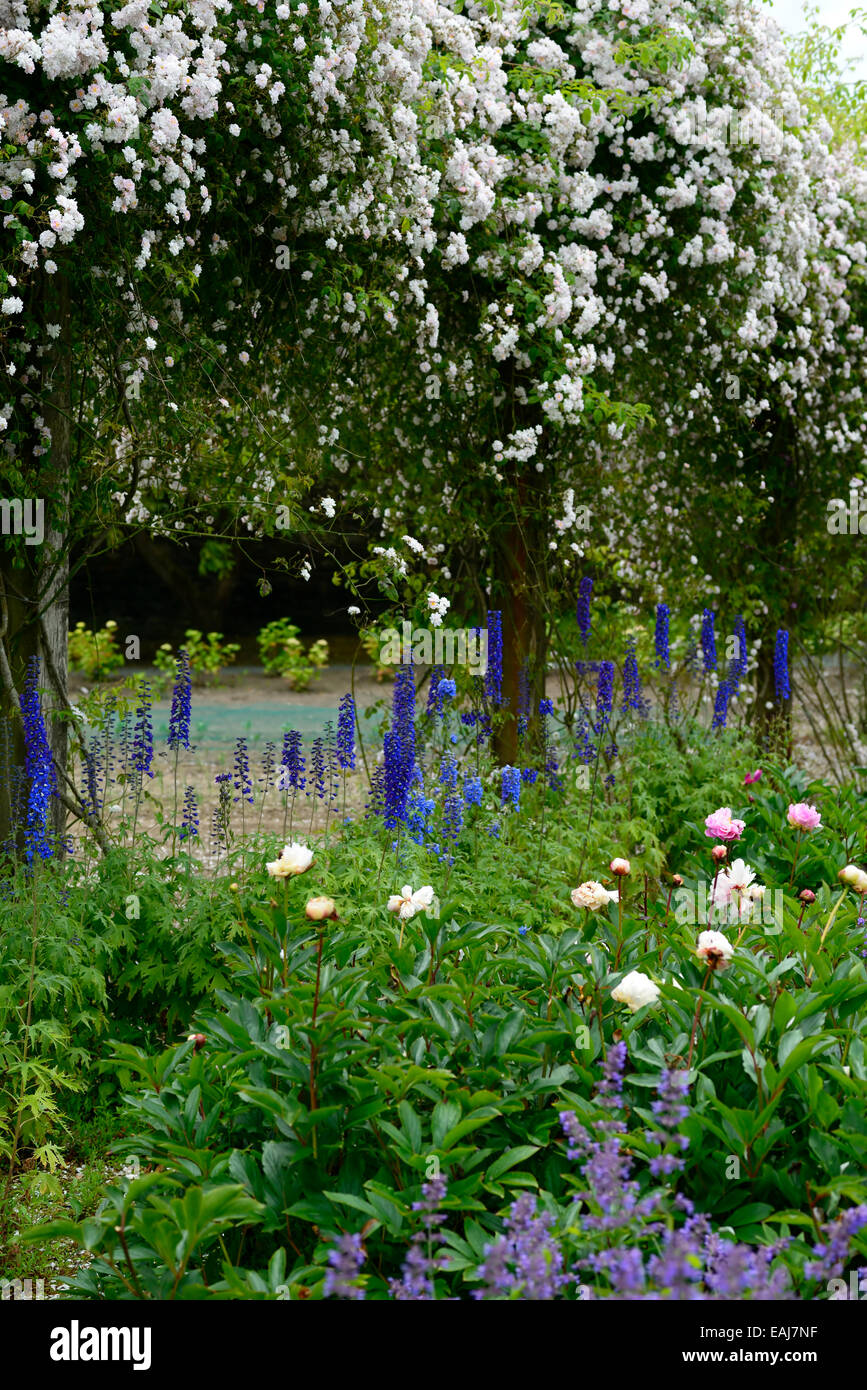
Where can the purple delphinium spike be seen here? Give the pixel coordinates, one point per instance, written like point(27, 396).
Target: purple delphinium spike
point(346, 733)
point(582, 611)
point(179, 718)
point(38, 767)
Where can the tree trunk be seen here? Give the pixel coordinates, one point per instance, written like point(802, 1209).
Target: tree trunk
point(34, 579)
point(775, 546)
point(519, 594)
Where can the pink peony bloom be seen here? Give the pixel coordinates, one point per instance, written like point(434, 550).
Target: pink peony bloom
point(752, 777)
point(721, 826)
point(804, 817)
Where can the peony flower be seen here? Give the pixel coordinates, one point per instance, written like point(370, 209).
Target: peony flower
point(715, 948)
point(619, 867)
point(592, 895)
point(636, 990)
point(318, 909)
point(294, 859)
point(721, 826)
point(853, 876)
point(406, 903)
point(803, 816)
point(752, 777)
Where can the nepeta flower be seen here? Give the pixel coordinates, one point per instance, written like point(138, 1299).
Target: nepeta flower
point(345, 1261)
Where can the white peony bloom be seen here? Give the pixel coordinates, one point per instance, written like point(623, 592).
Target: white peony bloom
point(636, 990)
point(592, 895)
point(294, 859)
point(715, 948)
point(406, 903)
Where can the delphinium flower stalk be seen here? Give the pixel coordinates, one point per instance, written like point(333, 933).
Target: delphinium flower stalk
point(243, 785)
point(631, 681)
point(179, 721)
point(708, 640)
point(291, 775)
point(316, 780)
point(223, 813)
point(38, 766)
point(721, 705)
point(582, 611)
point(346, 740)
point(190, 821)
point(473, 795)
point(266, 781)
point(738, 665)
point(782, 687)
point(494, 673)
point(399, 748)
point(142, 746)
point(661, 636)
point(330, 780)
point(434, 704)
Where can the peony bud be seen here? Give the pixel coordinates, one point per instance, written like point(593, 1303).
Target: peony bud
point(318, 909)
point(619, 867)
point(719, 853)
point(198, 1040)
point(807, 895)
point(856, 878)
point(677, 880)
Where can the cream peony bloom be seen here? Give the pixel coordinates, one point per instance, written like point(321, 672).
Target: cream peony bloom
point(592, 895)
point(294, 859)
point(856, 878)
point(636, 990)
point(715, 948)
point(406, 903)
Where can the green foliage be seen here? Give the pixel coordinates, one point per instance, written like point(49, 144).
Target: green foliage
point(94, 653)
point(345, 1062)
point(208, 654)
point(283, 654)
